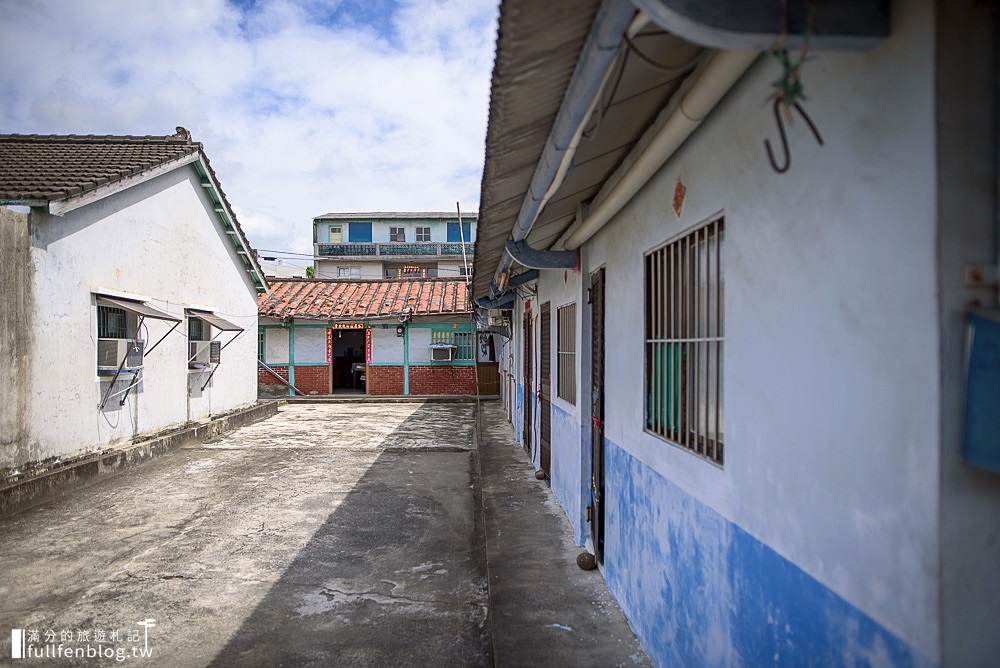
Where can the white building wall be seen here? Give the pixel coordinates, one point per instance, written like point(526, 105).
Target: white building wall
point(157, 240)
point(569, 481)
point(831, 387)
point(310, 345)
point(387, 348)
point(276, 346)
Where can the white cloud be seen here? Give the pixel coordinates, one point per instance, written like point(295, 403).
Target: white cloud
point(303, 107)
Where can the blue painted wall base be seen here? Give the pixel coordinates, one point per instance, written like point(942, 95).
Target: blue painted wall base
point(700, 591)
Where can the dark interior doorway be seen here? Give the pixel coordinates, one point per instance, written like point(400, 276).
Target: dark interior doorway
point(347, 371)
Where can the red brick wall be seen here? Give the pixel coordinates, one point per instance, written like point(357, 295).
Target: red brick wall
point(313, 379)
point(307, 378)
point(384, 380)
point(429, 380)
point(264, 378)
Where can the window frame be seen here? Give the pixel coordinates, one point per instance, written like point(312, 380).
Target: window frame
point(422, 234)
point(397, 234)
point(125, 328)
point(350, 272)
point(566, 352)
point(684, 340)
point(463, 342)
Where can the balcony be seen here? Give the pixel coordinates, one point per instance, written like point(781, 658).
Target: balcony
point(395, 251)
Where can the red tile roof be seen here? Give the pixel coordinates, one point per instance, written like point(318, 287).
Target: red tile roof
point(54, 167)
point(339, 299)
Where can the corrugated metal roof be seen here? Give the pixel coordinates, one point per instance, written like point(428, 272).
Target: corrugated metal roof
point(538, 44)
point(538, 47)
point(339, 299)
point(397, 215)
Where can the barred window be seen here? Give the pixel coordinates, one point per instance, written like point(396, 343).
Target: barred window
point(684, 341)
point(566, 353)
point(112, 323)
point(464, 342)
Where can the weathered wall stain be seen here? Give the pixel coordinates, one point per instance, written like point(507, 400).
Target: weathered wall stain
point(15, 334)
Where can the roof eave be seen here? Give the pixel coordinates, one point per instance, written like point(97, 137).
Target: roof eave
point(230, 225)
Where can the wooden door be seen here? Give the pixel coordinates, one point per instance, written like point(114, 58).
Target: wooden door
point(597, 413)
point(545, 391)
point(529, 391)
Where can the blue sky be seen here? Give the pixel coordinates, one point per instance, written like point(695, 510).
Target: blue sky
point(304, 106)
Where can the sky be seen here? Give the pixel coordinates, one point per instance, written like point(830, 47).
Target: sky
point(304, 107)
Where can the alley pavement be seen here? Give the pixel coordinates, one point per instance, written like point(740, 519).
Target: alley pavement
point(365, 534)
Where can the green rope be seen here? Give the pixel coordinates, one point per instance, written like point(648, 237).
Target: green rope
point(789, 88)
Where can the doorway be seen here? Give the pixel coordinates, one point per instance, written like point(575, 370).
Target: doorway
point(529, 393)
point(545, 392)
point(347, 367)
point(597, 413)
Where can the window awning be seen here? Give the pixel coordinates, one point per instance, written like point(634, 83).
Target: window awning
point(214, 320)
point(137, 307)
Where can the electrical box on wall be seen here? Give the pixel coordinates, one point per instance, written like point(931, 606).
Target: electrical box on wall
point(981, 423)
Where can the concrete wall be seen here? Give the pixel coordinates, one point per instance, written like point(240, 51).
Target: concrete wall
point(15, 335)
point(159, 240)
point(819, 535)
point(569, 483)
point(387, 348)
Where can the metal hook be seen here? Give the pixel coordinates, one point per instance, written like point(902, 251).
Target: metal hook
point(784, 137)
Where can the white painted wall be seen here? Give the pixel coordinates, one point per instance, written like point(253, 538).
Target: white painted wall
point(419, 345)
point(159, 240)
point(387, 348)
point(831, 376)
point(560, 288)
point(276, 346)
point(310, 345)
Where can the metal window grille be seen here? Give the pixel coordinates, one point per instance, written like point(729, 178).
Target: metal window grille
point(423, 234)
point(684, 341)
point(566, 353)
point(196, 329)
point(464, 342)
point(397, 234)
point(112, 323)
point(261, 344)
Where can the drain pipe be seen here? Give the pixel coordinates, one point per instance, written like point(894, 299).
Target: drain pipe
point(721, 73)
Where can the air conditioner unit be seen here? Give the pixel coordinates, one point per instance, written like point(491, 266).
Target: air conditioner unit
point(441, 352)
point(111, 352)
point(215, 352)
point(199, 353)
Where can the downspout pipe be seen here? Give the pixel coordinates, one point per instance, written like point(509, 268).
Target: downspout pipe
point(721, 73)
point(596, 59)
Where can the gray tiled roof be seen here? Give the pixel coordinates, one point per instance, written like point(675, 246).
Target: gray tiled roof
point(54, 167)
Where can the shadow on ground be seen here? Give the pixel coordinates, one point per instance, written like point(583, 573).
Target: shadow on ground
point(394, 576)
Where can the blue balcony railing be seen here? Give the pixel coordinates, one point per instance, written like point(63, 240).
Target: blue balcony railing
point(394, 250)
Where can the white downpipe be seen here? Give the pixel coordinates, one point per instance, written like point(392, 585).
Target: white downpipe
point(718, 77)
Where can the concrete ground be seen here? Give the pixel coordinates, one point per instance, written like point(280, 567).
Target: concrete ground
point(356, 534)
